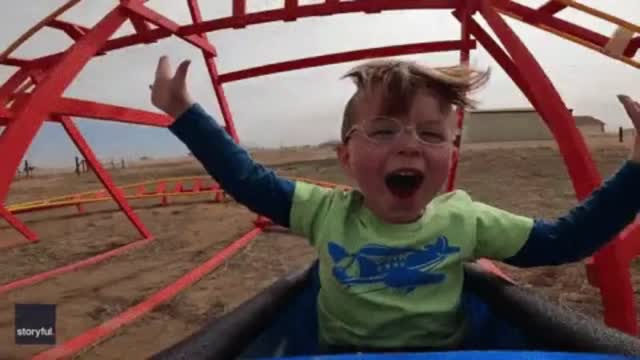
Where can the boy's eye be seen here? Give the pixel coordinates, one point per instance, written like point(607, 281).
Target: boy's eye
point(431, 136)
point(383, 132)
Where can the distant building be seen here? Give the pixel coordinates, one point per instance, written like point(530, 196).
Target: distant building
point(589, 125)
point(517, 124)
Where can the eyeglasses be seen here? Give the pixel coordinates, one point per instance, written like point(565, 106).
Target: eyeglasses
point(386, 130)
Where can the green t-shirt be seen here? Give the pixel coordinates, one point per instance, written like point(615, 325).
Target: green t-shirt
point(398, 285)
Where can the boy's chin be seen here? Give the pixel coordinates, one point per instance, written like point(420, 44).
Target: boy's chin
point(402, 217)
point(405, 210)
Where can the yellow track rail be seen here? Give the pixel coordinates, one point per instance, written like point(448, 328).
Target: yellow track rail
point(95, 196)
point(622, 24)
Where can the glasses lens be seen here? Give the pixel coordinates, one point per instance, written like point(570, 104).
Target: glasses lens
point(430, 133)
point(382, 128)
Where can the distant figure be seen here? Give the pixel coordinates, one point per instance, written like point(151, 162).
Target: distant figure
point(28, 169)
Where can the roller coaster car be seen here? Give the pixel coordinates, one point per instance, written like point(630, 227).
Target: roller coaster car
point(506, 322)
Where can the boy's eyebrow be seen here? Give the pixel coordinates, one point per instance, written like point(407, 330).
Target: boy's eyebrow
point(431, 121)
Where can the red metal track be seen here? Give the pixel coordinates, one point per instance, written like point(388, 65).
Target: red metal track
point(34, 279)
point(18, 225)
point(464, 16)
point(24, 112)
point(108, 328)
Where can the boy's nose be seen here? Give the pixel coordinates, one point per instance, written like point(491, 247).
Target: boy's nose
point(409, 151)
point(409, 144)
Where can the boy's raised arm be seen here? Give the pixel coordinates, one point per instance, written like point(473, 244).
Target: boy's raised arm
point(592, 224)
point(248, 182)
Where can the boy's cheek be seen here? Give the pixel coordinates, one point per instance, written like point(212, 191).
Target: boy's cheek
point(438, 165)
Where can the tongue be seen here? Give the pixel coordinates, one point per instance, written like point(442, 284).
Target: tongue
point(402, 192)
point(402, 186)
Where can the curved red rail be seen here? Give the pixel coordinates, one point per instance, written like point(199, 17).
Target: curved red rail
point(108, 328)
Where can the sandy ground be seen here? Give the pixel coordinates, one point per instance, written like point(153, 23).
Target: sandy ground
point(530, 180)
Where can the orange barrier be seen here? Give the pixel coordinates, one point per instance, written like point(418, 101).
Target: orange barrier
point(181, 187)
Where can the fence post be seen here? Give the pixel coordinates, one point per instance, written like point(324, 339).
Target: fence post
point(620, 134)
point(77, 166)
point(27, 168)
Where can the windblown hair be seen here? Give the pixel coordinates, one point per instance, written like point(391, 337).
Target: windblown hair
point(401, 80)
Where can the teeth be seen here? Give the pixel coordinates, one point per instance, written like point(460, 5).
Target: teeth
point(407, 173)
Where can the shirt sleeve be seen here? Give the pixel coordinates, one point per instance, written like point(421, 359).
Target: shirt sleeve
point(248, 182)
point(587, 227)
point(499, 233)
point(310, 207)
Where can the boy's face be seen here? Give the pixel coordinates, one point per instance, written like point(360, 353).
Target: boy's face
point(399, 175)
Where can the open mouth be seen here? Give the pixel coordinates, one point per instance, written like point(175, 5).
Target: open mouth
point(403, 183)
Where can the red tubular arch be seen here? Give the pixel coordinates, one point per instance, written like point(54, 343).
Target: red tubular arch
point(420, 48)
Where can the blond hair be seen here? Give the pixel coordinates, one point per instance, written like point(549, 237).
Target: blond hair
point(401, 80)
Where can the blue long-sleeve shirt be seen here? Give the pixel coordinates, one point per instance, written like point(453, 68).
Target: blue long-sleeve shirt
point(572, 237)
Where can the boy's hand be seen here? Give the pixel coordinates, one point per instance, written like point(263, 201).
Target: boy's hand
point(169, 92)
point(633, 110)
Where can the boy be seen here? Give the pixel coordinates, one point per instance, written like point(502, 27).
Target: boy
point(391, 252)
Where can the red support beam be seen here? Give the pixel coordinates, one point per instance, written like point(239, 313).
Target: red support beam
point(501, 57)
point(552, 7)
point(633, 47)
point(290, 4)
point(136, 39)
point(196, 17)
point(628, 246)
point(616, 288)
point(22, 91)
point(5, 117)
point(549, 104)
point(324, 9)
point(10, 86)
point(164, 22)
point(101, 173)
point(18, 225)
point(74, 31)
point(239, 8)
point(348, 56)
point(94, 110)
point(290, 8)
point(141, 27)
point(330, 7)
point(29, 117)
point(11, 61)
point(239, 12)
point(534, 17)
point(465, 37)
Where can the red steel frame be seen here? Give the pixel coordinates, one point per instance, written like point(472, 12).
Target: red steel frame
point(24, 111)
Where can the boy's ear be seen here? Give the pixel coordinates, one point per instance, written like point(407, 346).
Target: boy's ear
point(342, 151)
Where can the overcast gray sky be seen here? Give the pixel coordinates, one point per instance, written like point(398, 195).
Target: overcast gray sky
point(300, 107)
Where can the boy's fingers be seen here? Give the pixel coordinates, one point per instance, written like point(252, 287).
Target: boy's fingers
point(632, 108)
point(163, 70)
point(181, 73)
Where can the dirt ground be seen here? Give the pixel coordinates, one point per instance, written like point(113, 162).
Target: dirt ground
point(530, 180)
